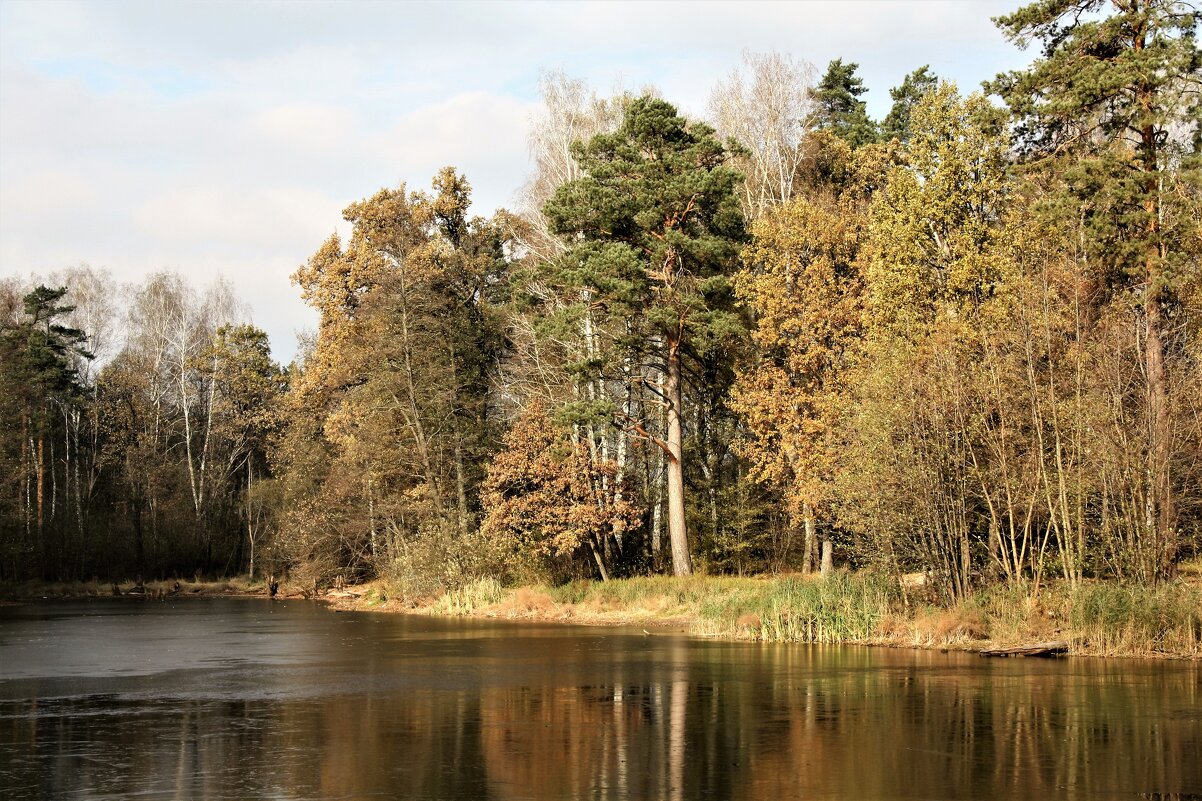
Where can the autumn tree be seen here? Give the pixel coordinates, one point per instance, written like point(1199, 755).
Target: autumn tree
point(542, 502)
point(1112, 103)
point(395, 392)
point(655, 226)
point(801, 281)
point(932, 230)
point(246, 412)
point(171, 327)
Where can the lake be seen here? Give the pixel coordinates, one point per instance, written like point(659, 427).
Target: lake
point(249, 698)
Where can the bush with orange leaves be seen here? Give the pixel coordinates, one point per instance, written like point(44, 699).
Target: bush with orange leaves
point(546, 506)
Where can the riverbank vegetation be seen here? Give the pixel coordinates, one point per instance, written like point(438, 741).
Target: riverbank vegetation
point(962, 343)
point(1097, 618)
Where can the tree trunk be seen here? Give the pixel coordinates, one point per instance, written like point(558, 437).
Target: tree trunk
point(828, 557)
point(135, 508)
point(655, 483)
point(26, 442)
point(41, 493)
point(1160, 426)
point(682, 563)
point(592, 544)
point(414, 410)
point(810, 544)
point(461, 489)
point(1160, 445)
point(250, 523)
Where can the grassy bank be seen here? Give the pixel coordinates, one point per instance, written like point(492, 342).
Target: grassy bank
point(1096, 618)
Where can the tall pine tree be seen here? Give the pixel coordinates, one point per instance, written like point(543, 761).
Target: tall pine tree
point(655, 227)
point(905, 97)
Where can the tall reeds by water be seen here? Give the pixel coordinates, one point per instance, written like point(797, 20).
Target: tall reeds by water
point(1102, 618)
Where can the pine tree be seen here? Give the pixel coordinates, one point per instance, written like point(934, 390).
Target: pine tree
point(38, 367)
point(913, 87)
point(840, 108)
point(654, 227)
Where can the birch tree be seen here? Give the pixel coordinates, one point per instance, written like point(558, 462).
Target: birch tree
point(766, 107)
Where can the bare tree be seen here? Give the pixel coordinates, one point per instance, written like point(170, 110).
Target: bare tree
point(95, 300)
point(571, 112)
point(171, 330)
point(763, 106)
point(94, 303)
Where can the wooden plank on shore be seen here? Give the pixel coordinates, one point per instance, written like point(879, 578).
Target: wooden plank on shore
point(1055, 648)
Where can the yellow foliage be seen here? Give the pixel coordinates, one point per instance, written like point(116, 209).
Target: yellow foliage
point(934, 221)
point(801, 282)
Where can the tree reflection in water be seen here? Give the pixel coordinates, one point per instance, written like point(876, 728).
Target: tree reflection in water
point(404, 708)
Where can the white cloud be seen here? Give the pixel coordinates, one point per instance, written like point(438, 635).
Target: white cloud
point(307, 128)
point(480, 135)
point(218, 219)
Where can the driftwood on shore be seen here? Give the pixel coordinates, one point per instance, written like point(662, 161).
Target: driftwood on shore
point(1055, 648)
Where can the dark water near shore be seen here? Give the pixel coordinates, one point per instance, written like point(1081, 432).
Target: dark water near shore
point(247, 699)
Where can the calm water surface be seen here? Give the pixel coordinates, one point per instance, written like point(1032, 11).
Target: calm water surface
point(248, 699)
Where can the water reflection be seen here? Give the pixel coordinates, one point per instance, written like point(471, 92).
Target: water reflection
point(370, 706)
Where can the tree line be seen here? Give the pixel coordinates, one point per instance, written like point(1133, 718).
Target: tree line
point(961, 340)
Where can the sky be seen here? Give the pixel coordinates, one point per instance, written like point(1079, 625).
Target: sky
point(224, 138)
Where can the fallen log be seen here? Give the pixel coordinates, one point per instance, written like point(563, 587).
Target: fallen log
point(1055, 648)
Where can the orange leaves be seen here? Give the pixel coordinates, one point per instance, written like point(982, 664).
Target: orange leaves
point(542, 495)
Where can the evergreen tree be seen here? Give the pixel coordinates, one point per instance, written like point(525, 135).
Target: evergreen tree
point(915, 85)
point(840, 108)
point(655, 227)
point(38, 376)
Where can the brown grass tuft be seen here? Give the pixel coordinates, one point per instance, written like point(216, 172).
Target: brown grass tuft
point(749, 622)
point(524, 602)
point(958, 624)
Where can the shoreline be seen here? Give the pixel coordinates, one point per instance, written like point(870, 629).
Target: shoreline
point(763, 609)
point(964, 628)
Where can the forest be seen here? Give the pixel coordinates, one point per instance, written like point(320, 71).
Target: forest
point(963, 341)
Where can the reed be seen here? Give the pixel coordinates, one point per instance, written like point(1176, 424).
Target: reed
point(1109, 619)
point(842, 607)
point(469, 598)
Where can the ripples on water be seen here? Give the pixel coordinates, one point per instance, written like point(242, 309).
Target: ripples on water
point(244, 699)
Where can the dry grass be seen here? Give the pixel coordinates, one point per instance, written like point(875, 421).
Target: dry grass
point(526, 602)
point(1113, 619)
point(1103, 618)
point(933, 627)
point(470, 598)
